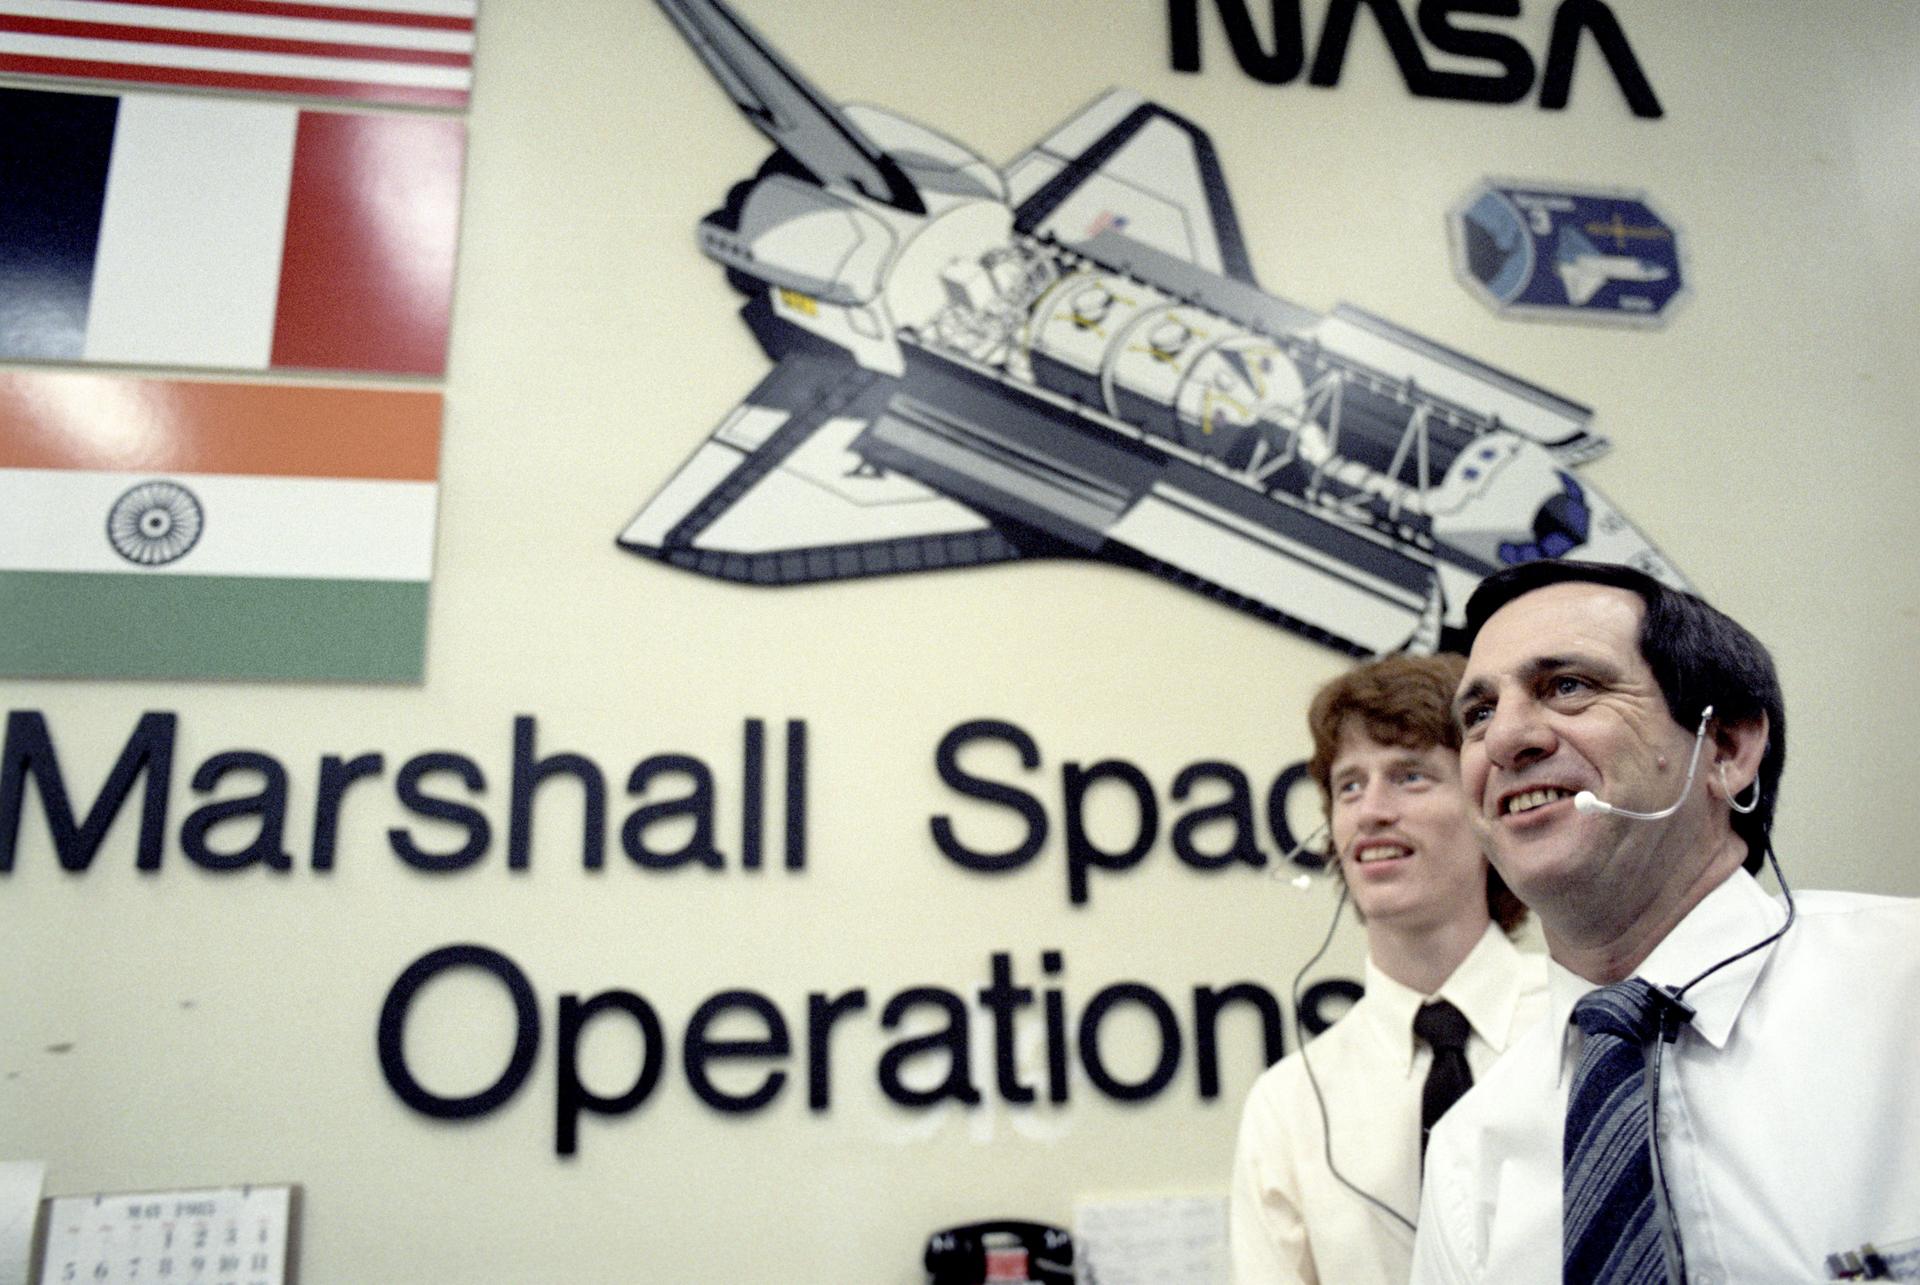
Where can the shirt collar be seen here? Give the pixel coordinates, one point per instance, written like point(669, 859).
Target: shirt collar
point(1485, 988)
point(1729, 919)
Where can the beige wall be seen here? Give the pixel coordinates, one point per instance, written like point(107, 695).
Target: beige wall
point(222, 1027)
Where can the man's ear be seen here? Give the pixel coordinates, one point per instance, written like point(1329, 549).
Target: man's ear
point(1737, 751)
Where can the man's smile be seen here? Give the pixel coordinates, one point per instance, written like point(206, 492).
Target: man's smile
point(1367, 853)
point(1528, 800)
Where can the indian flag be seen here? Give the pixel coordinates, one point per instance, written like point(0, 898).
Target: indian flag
point(169, 529)
point(162, 230)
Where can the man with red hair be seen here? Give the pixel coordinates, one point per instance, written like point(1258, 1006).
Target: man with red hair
point(1327, 1172)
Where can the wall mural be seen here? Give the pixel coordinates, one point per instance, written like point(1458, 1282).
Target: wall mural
point(1071, 357)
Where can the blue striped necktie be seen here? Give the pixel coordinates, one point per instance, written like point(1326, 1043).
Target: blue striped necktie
point(1612, 1233)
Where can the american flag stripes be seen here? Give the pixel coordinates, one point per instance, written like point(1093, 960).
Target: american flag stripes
point(397, 52)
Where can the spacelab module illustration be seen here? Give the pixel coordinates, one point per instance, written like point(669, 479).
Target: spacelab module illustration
point(1071, 357)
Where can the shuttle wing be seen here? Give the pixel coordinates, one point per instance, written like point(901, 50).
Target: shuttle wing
point(777, 495)
point(1129, 168)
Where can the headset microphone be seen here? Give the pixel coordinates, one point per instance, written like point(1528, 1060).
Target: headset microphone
point(1305, 860)
point(1588, 802)
point(1675, 1011)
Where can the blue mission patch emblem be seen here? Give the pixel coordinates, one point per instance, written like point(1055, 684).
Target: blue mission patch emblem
point(1550, 252)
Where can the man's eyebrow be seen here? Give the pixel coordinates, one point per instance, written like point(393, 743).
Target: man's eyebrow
point(1342, 773)
point(1533, 671)
point(1478, 689)
point(1542, 666)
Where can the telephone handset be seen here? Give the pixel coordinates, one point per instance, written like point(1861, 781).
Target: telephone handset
point(1003, 1252)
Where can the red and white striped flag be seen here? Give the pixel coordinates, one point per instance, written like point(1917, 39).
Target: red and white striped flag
point(417, 52)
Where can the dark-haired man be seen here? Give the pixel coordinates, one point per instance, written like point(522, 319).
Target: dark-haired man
point(1446, 991)
point(1710, 1100)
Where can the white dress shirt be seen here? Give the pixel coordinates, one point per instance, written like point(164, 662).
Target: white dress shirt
point(1789, 1122)
point(1292, 1220)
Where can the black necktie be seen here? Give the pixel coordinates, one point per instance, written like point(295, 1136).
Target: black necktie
point(1444, 1028)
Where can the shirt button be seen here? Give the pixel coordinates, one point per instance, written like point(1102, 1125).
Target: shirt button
point(1705, 1276)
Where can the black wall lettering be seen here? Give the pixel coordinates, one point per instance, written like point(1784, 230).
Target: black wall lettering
point(946, 759)
point(1275, 67)
point(796, 794)
point(1208, 1004)
point(268, 808)
point(951, 1041)
point(1512, 67)
point(29, 753)
point(407, 787)
point(391, 1042)
point(336, 775)
point(753, 772)
point(1329, 58)
point(1082, 853)
point(700, 1049)
point(1095, 1064)
point(571, 1097)
point(697, 806)
point(1574, 16)
point(1054, 1004)
point(822, 1013)
point(1236, 810)
point(1290, 847)
point(1005, 1000)
point(1516, 65)
point(1337, 993)
point(529, 773)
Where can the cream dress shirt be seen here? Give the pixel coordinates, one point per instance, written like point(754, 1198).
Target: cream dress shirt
point(1789, 1112)
point(1292, 1220)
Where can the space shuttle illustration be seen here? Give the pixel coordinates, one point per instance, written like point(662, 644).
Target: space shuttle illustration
point(1070, 357)
point(1583, 269)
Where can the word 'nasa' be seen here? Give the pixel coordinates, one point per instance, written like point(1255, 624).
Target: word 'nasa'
point(1232, 812)
point(1436, 18)
point(918, 1071)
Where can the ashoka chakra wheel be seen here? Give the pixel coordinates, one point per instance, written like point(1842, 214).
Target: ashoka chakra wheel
point(154, 523)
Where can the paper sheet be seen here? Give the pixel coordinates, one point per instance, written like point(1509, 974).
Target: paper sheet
point(20, 1182)
point(1152, 1241)
point(214, 1235)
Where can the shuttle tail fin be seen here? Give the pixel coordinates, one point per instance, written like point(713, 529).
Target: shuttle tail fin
point(782, 104)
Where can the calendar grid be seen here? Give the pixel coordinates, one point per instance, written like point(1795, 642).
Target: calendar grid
point(202, 1236)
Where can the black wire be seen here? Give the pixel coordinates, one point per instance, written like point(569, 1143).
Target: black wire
point(1678, 1257)
point(1653, 1086)
point(1300, 1033)
point(1764, 942)
point(1675, 1249)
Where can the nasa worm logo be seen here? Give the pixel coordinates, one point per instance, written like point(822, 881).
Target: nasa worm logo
point(155, 523)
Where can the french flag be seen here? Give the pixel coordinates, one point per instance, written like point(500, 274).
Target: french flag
point(224, 234)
